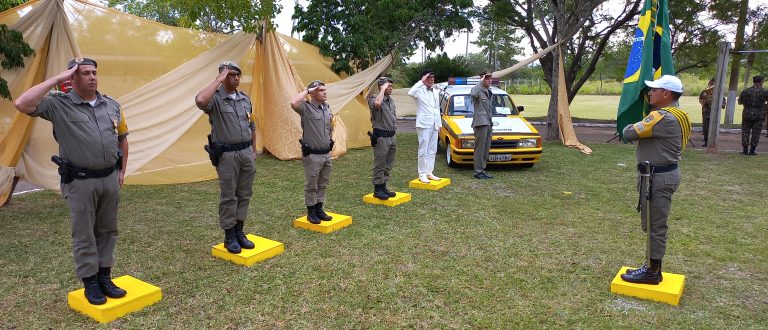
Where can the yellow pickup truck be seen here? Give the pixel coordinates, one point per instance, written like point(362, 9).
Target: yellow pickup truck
point(515, 141)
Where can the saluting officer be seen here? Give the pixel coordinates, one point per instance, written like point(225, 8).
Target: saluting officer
point(93, 152)
point(482, 122)
point(316, 146)
point(231, 144)
point(661, 137)
point(428, 123)
point(384, 122)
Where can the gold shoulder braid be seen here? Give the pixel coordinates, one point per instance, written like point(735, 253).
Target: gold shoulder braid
point(682, 119)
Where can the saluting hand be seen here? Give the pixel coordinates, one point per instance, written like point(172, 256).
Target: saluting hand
point(310, 90)
point(66, 75)
point(425, 77)
point(385, 86)
point(223, 74)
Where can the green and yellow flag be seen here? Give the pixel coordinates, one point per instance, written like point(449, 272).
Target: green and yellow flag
point(649, 59)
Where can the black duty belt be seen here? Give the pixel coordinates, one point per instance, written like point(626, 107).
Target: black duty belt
point(234, 147)
point(657, 168)
point(307, 150)
point(383, 133)
point(69, 172)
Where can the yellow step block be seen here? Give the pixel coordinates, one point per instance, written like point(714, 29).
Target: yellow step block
point(399, 198)
point(432, 185)
point(264, 249)
point(139, 295)
point(339, 221)
point(668, 291)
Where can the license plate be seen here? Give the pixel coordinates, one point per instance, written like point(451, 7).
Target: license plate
point(500, 158)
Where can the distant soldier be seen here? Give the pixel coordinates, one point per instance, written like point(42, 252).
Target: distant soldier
point(384, 123)
point(705, 99)
point(482, 122)
point(661, 137)
point(754, 99)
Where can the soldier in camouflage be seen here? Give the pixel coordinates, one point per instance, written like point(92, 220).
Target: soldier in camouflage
point(753, 99)
point(705, 99)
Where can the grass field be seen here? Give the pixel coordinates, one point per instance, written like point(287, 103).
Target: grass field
point(510, 252)
point(603, 107)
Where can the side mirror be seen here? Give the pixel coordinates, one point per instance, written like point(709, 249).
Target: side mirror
point(520, 108)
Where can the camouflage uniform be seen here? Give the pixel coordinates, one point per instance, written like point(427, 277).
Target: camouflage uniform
point(705, 98)
point(753, 99)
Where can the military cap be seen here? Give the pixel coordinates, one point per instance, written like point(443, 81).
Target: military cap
point(427, 71)
point(384, 80)
point(757, 79)
point(315, 83)
point(486, 72)
point(229, 65)
point(81, 61)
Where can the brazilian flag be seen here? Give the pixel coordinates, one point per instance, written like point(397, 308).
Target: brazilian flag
point(649, 59)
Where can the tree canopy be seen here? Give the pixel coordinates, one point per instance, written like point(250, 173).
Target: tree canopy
point(357, 33)
point(206, 15)
point(13, 48)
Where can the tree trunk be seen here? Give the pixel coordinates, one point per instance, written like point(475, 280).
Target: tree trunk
point(553, 129)
point(733, 85)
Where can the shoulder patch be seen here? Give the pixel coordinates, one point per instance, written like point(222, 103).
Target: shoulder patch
point(644, 128)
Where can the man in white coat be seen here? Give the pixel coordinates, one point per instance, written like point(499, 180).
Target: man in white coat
point(427, 123)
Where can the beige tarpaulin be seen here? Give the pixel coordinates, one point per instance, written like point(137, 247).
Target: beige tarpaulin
point(155, 71)
point(567, 134)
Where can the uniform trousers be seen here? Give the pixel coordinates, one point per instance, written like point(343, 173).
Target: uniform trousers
point(751, 128)
point(317, 174)
point(482, 146)
point(383, 158)
point(705, 118)
point(236, 170)
point(663, 185)
point(93, 205)
point(427, 149)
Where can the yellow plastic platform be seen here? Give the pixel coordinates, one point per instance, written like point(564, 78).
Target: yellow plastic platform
point(264, 249)
point(432, 185)
point(139, 295)
point(668, 291)
point(339, 221)
point(399, 198)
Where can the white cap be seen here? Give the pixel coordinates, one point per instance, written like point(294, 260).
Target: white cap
point(670, 83)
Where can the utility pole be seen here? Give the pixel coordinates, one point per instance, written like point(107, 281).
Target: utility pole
point(733, 84)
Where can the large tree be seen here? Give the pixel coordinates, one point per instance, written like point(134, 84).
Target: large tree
point(13, 48)
point(206, 15)
point(357, 33)
point(583, 27)
point(499, 43)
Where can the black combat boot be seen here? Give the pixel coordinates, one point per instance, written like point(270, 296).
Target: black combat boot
point(645, 275)
point(243, 241)
point(312, 215)
point(635, 270)
point(230, 240)
point(752, 150)
point(378, 192)
point(389, 193)
point(321, 214)
point(92, 291)
point(744, 152)
point(107, 286)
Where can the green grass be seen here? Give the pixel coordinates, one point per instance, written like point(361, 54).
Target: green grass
point(603, 107)
point(509, 252)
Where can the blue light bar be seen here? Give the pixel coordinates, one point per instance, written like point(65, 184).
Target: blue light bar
point(469, 81)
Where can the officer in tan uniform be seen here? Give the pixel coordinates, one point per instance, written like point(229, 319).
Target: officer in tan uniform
point(316, 146)
point(231, 148)
point(384, 122)
point(661, 137)
point(93, 153)
point(482, 122)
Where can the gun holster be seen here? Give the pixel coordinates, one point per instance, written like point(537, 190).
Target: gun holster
point(64, 172)
point(374, 139)
point(214, 151)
